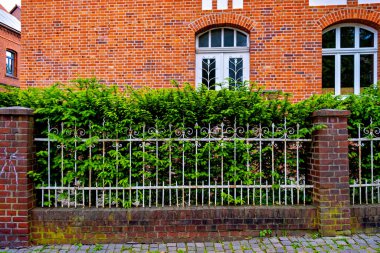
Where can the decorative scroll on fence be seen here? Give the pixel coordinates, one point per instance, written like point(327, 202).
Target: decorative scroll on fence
point(364, 165)
point(191, 166)
point(184, 166)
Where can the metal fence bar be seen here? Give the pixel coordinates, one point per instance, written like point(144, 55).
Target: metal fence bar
point(220, 149)
point(363, 177)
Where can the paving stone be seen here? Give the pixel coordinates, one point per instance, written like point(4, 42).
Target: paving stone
point(356, 243)
point(274, 240)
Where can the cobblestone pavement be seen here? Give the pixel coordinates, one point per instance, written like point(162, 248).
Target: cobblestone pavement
point(355, 243)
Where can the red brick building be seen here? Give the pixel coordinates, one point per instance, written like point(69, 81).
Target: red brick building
point(10, 42)
point(298, 46)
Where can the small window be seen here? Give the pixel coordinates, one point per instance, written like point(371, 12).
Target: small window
point(10, 63)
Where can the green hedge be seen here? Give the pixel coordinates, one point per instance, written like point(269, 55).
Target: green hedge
point(110, 110)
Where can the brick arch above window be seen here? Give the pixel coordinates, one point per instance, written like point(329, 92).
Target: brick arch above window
point(222, 19)
point(368, 17)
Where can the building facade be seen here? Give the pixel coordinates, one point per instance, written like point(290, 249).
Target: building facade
point(303, 47)
point(10, 49)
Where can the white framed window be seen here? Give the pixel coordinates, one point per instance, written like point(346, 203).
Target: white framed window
point(222, 58)
point(10, 63)
point(326, 2)
point(349, 58)
point(368, 1)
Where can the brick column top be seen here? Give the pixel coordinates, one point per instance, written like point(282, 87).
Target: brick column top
point(331, 113)
point(15, 110)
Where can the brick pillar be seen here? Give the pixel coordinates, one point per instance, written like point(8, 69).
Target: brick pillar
point(330, 173)
point(16, 190)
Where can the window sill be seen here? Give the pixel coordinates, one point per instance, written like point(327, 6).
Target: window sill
point(10, 76)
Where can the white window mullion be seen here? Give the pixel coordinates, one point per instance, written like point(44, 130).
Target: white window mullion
point(357, 38)
point(375, 68)
point(357, 73)
point(337, 37)
point(337, 63)
point(223, 73)
point(219, 72)
point(337, 74)
point(235, 38)
point(209, 39)
point(222, 39)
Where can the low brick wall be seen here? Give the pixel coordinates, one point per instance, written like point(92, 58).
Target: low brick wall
point(330, 214)
point(365, 218)
point(58, 225)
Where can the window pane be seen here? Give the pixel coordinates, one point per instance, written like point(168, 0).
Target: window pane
point(366, 38)
point(235, 71)
point(241, 39)
point(329, 39)
point(203, 40)
point(10, 63)
point(328, 74)
point(228, 38)
point(208, 72)
point(366, 70)
point(216, 38)
point(347, 37)
point(347, 74)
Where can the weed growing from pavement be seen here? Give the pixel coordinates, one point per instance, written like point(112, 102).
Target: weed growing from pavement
point(296, 245)
point(265, 232)
point(98, 247)
point(125, 248)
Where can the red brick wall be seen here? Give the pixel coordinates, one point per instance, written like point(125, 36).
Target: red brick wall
point(9, 40)
point(16, 189)
point(148, 42)
point(365, 218)
point(90, 226)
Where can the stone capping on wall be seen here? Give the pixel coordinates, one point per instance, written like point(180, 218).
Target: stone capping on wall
point(331, 113)
point(16, 110)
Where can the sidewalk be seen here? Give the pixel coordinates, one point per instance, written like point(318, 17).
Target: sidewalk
point(355, 243)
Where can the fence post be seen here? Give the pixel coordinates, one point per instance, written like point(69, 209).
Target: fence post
point(16, 190)
point(329, 172)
